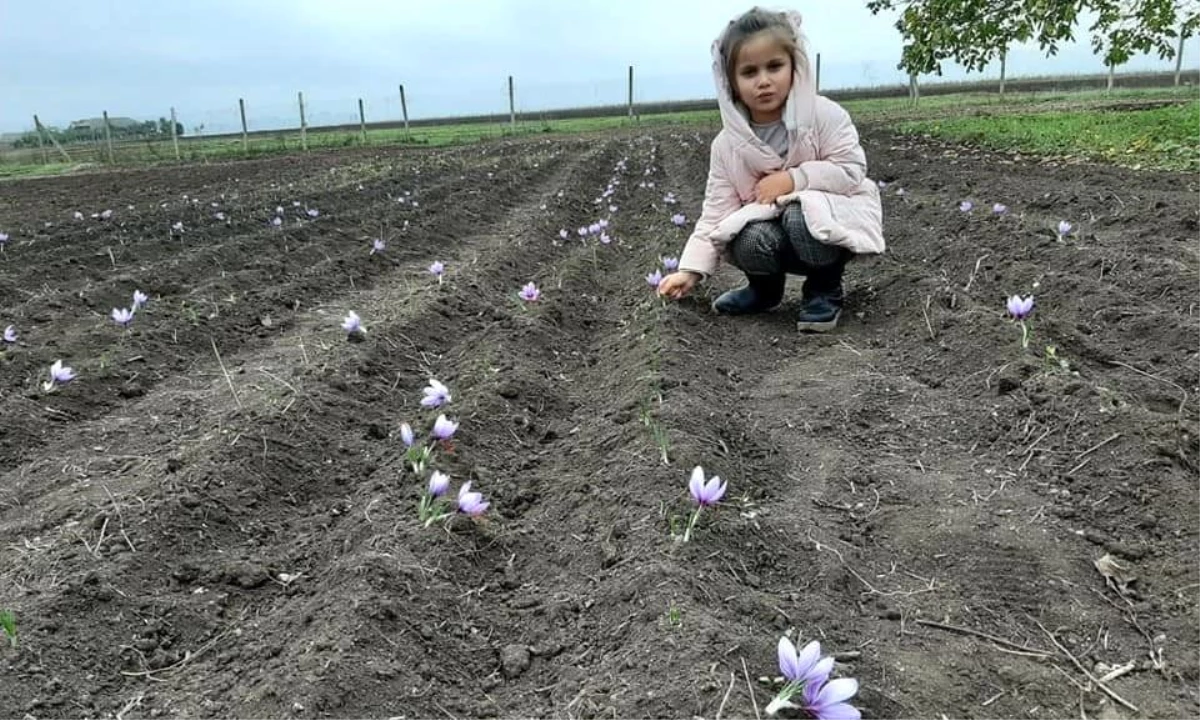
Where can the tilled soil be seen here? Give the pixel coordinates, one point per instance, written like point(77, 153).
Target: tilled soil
point(215, 520)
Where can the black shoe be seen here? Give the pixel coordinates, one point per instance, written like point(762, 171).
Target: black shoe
point(822, 299)
point(761, 293)
point(820, 312)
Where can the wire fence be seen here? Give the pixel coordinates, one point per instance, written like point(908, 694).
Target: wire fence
point(435, 116)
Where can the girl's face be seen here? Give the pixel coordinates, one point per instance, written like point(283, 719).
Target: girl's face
point(764, 77)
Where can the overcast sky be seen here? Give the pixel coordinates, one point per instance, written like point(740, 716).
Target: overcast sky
point(71, 59)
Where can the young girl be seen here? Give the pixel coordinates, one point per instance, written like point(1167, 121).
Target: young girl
point(787, 184)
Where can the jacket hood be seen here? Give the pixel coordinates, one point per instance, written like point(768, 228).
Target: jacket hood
point(798, 110)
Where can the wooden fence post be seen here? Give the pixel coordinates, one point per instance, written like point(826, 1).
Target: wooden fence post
point(108, 138)
point(245, 134)
point(303, 123)
point(174, 134)
point(404, 109)
point(362, 122)
point(817, 85)
point(42, 129)
point(1179, 57)
point(630, 92)
point(512, 107)
point(37, 125)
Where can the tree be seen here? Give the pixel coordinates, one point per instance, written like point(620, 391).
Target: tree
point(972, 33)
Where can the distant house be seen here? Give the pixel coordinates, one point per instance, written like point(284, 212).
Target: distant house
point(97, 124)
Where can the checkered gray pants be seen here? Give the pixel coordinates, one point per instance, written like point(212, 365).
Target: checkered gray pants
point(782, 245)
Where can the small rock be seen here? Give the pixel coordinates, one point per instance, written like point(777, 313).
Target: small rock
point(514, 660)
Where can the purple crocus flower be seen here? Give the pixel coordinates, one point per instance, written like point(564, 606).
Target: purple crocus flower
point(437, 269)
point(3, 238)
point(1064, 229)
point(77, 215)
point(471, 503)
point(594, 228)
point(966, 206)
point(530, 292)
point(563, 234)
point(139, 300)
point(443, 429)
point(582, 232)
point(278, 209)
point(670, 264)
point(654, 278)
point(277, 222)
point(219, 216)
point(436, 394)
point(177, 227)
point(901, 192)
point(313, 213)
point(604, 238)
point(827, 701)
point(1019, 307)
point(352, 323)
point(439, 483)
point(59, 375)
point(704, 493)
point(1000, 209)
point(602, 223)
point(613, 208)
point(882, 184)
point(679, 219)
point(107, 214)
point(669, 198)
point(406, 435)
point(378, 246)
point(805, 667)
point(10, 334)
point(122, 316)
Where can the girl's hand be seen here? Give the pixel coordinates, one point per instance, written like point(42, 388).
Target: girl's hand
point(677, 285)
point(773, 187)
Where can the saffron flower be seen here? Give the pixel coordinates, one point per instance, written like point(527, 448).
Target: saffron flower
point(436, 394)
point(77, 215)
point(704, 494)
point(471, 503)
point(966, 206)
point(219, 216)
point(654, 278)
point(139, 300)
point(313, 213)
point(669, 198)
point(378, 246)
point(827, 700)
point(530, 292)
point(563, 234)
point(59, 375)
point(437, 269)
point(352, 324)
point(106, 215)
point(999, 209)
point(670, 264)
point(679, 219)
point(444, 429)
point(406, 435)
point(439, 483)
point(604, 238)
point(431, 508)
point(122, 316)
point(1020, 309)
point(10, 334)
point(177, 227)
point(277, 222)
point(1064, 229)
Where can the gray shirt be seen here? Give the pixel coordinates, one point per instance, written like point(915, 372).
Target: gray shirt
point(774, 134)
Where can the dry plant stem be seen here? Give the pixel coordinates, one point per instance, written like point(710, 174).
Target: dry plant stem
point(750, 689)
point(1107, 691)
point(732, 680)
point(228, 380)
point(985, 636)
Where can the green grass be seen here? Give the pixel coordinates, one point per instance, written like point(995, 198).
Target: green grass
point(24, 171)
point(1159, 138)
point(932, 106)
